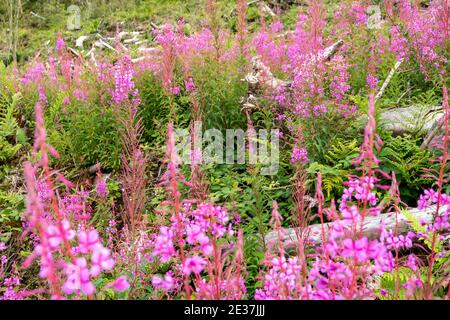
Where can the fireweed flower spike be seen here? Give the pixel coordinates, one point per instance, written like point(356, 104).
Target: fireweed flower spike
point(57, 239)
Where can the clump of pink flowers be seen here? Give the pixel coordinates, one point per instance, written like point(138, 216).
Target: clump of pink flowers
point(196, 240)
point(299, 155)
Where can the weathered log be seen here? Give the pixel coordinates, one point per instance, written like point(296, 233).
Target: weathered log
point(262, 76)
point(329, 52)
point(415, 118)
point(371, 227)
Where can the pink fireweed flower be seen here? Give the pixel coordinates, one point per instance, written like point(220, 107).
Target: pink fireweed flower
point(412, 262)
point(43, 191)
point(276, 27)
point(163, 246)
point(194, 264)
point(101, 260)
point(397, 242)
point(411, 285)
point(11, 281)
point(35, 74)
point(123, 77)
point(101, 188)
point(195, 235)
point(356, 249)
point(281, 278)
point(2, 246)
point(88, 241)
point(75, 204)
point(60, 44)
point(56, 234)
point(66, 100)
point(120, 284)
point(359, 14)
point(78, 278)
point(372, 81)
point(167, 283)
point(299, 155)
point(350, 214)
point(189, 85)
point(319, 109)
point(360, 190)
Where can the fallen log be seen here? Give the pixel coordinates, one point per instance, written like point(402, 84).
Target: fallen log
point(415, 118)
point(371, 227)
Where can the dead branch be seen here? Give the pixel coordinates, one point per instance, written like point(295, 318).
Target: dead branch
point(388, 79)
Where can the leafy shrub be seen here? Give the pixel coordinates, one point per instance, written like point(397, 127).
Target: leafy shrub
point(85, 134)
point(403, 156)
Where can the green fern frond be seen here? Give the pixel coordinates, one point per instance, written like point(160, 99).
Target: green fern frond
point(342, 153)
point(389, 280)
point(427, 98)
point(403, 156)
point(9, 127)
point(332, 177)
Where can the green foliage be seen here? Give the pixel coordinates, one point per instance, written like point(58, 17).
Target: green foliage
point(96, 17)
point(155, 109)
point(440, 266)
point(290, 17)
point(253, 16)
point(335, 170)
point(253, 255)
point(11, 208)
point(220, 95)
point(251, 195)
point(155, 113)
point(332, 178)
point(84, 134)
point(343, 153)
point(426, 98)
point(12, 137)
point(407, 87)
point(388, 282)
point(233, 185)
point(403, 156)
point(320, 133)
